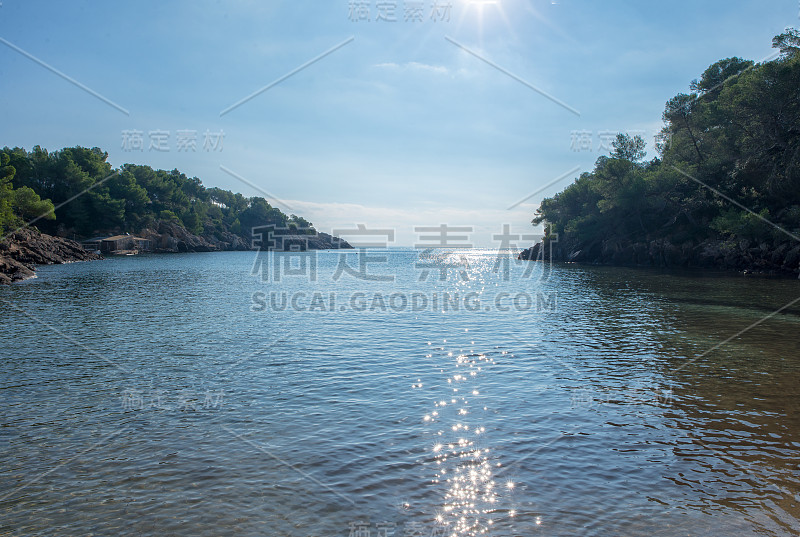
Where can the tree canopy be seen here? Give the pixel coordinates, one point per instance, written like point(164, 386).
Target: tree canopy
point(98, 199)
point(736, 134)
point(19, 204)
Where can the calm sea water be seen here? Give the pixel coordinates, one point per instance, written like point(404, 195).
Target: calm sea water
point(177, 395)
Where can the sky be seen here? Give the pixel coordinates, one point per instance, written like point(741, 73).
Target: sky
point(391, 114)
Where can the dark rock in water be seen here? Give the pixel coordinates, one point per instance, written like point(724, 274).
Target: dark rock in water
point(12, 271)
point(741, 255)
point(24, 249)
point(531, 253)
point(792, 258)
point(333, 243)
point(778, 255)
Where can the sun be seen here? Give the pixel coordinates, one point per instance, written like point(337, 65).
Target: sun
point(482, 13)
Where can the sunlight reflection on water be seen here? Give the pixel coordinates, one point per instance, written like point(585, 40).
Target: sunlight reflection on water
point(464, 472)
point(593, 418)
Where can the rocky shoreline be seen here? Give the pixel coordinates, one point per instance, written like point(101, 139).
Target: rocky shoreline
point(22, 250)
point(741, 256)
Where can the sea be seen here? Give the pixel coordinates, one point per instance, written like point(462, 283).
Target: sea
point(397, 393)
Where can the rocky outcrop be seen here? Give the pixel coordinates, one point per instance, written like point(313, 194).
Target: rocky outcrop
point(22, 250)
point(287, 242)
point(742, 255)
point(13, 271)
point(329, 242)
point(170, 237)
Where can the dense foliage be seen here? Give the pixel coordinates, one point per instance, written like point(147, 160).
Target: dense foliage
point(100, 200)
point(737, 131)
point(18, 204)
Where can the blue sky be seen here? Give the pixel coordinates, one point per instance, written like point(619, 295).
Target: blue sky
point(397, 128)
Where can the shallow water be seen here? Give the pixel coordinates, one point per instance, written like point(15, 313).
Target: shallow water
point(144, 395)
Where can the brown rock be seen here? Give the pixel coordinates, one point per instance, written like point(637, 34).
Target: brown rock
point(23, 249)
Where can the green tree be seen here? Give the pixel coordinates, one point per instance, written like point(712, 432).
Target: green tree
point(629, 148)
point(20, 204)
point(788, 42)
point(737, 131)
point(717, 74)
point(103, 200)
point(28, 205)
point(6, 193)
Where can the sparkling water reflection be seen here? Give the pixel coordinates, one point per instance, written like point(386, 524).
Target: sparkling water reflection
point(461, 451)
point(144, 395)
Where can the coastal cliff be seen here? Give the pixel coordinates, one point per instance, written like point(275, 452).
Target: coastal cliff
point(23, 249)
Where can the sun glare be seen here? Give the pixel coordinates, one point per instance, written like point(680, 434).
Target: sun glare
point(483, 13)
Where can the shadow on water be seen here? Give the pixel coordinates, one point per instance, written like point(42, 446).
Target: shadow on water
point(724, 385)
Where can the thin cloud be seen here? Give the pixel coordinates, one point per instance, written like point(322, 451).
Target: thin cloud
point(415, 66)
